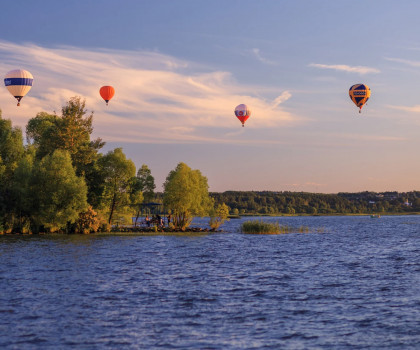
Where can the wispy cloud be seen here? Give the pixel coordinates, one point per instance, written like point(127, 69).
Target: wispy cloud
point(159, 98)
point(345, 68)
point(262, 59)
point(410, 109)
point(281, 99)
point(373, 138)
point(404, 61)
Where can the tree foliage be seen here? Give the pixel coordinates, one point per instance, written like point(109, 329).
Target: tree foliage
point(44, 185)
point(186, 195)
point(11, 152)
point(119, 178)
point(218, 215)
point(59, 195)
point(71, 132)
point(87, 222)
point(11, 145)
point(275, 203)
point(146, 183)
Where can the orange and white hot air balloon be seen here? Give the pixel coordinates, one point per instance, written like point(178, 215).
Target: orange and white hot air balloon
point(242, 112)
point(18, 82)
point(107, 92)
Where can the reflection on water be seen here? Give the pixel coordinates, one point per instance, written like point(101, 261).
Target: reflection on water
point(355, 285)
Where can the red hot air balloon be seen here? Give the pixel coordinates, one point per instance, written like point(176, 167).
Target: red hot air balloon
point(107, 92)
point(242, 112)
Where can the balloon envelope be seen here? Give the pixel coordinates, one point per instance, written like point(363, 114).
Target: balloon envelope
point(18, 82)
point(359, 94)
point(107, 92)
point(242, 112)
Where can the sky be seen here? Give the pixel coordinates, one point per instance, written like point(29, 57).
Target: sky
point(181, 67)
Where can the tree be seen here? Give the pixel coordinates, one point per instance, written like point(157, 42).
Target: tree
point(71, 132)
point(74, 130)
point(218, 215)
point(146, 182)
point(186, 195)
point(21, 192)
point(40, 131)
point(136, 197)
point(11, 145)
point(58, 195)
point(118, 174)
point(87, 222)
point(11, 151)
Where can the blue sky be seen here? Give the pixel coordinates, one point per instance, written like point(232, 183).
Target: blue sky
point(180, 67)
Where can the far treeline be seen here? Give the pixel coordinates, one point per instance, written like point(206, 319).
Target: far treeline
point(59, 181)
point(274, 203)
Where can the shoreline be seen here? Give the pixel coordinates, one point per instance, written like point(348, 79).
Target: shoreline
point(193, 230)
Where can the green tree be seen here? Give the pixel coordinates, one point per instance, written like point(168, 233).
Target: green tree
point(40, 131)
point(11, 145)
point(22, 192)
point(58, 194)
point(146, 182)
point(71, 132)
point(11, 151)
point(136, 197)
point(218, 215)
point(118, 173)
point(186, 195)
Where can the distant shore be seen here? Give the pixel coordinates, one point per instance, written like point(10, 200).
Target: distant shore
point(329, 214)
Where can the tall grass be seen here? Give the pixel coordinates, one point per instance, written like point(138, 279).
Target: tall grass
point(259, 226)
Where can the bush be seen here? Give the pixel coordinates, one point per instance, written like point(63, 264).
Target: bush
point(87, 222)
point(105, 227)
point(218, 216)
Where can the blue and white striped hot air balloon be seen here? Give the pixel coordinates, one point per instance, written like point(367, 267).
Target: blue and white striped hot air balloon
point(18, 82)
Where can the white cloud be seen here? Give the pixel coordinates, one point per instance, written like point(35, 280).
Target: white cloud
point(404, 61)
point(262, 59)
point(345, 68)
point(158, 98)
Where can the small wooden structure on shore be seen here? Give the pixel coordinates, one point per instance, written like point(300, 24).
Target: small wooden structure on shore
point(148, 209)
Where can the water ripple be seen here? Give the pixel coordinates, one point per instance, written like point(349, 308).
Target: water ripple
point(357, 285)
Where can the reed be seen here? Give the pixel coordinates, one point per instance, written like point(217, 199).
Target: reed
point(263, 227)
point(259, 226)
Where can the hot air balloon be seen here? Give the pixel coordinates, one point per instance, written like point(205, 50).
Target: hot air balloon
point(359, 94)
point(18, 82)
point(243, 113)
point(107, 92)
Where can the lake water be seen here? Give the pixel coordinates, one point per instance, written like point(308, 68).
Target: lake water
point(354, 285)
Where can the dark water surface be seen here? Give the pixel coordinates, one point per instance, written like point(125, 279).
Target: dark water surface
point(356, 285)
